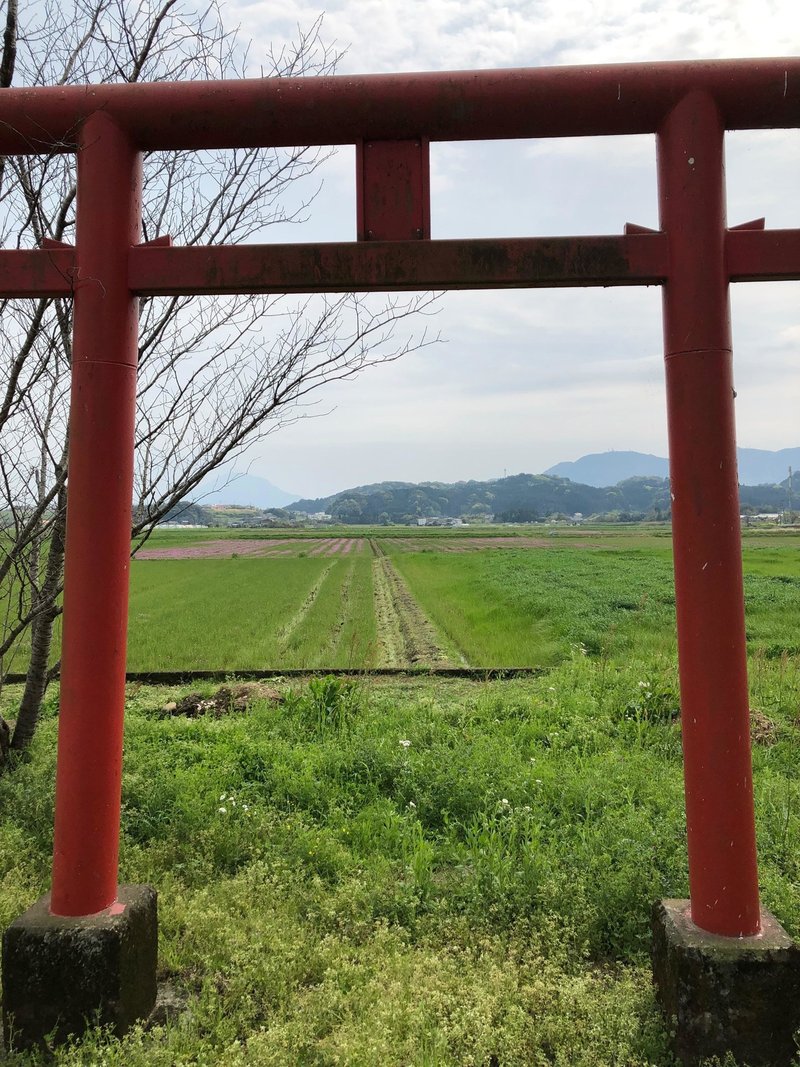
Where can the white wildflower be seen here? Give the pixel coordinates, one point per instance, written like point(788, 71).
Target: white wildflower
point(222, 811)
point(405, 744)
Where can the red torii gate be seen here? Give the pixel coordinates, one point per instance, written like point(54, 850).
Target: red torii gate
point(392, 118)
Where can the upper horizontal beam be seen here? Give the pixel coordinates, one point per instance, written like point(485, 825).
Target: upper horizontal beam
point(443, 106)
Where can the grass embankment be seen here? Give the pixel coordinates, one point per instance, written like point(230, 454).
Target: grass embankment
point(434, 873)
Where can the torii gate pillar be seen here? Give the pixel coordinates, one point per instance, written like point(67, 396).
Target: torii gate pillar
point(723, 996)
point(88, 950)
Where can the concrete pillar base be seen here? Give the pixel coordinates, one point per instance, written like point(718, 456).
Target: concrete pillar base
point(726, 994)
point(62, 975)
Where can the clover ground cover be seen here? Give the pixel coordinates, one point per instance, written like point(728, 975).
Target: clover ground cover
point(432, 872)
point(529, 607)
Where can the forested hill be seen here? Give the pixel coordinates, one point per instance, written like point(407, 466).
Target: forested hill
point(520, 498)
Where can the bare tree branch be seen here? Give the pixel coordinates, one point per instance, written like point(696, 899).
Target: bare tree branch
point(215, 374)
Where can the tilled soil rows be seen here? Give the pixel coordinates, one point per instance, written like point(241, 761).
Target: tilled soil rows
point(221, 549)
point(406, 636)
point(268, 548)
point(466, 544)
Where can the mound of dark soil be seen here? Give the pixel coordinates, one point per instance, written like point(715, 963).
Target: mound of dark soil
point(227, 699)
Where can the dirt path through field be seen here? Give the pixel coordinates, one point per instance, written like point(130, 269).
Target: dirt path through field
point(406, 636)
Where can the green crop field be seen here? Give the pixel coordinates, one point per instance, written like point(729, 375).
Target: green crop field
point(420, 871)
point(234, 614)
point(514, 599)
point(228, 600)
point(528, 607)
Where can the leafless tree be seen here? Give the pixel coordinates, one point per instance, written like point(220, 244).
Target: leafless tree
point(215, 374)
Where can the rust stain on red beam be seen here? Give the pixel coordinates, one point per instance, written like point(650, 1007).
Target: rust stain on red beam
point(443, 106)
point(385, 266)
point(36, 272)
point(763, 255)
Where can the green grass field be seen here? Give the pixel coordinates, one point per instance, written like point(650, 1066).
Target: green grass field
point(429, 872)
point(609, 591)
point(234, 614)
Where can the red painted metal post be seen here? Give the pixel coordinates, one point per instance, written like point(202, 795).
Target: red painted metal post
point(98, 524)
point(723, 877)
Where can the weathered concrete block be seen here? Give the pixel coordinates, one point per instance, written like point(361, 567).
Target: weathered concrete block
point(727, 994)
point(62, 975)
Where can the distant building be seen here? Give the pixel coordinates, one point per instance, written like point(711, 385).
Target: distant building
point(763, 516)
point(183, 525)
point(439, 520)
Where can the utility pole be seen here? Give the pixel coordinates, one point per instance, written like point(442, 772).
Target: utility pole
point(791, 514)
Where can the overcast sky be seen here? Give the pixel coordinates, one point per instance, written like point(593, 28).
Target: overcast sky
point(527, 378)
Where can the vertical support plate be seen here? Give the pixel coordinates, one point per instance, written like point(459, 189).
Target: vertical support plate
point(393, 190)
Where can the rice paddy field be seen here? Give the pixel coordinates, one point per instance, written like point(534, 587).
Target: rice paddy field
point(419, 869)
point(430, 598)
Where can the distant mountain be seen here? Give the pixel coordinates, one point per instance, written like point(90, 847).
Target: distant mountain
point(757, 466)
point(609, 468)
point(227, 487)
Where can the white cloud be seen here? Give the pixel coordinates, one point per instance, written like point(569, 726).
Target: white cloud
point(385, 35)
point(530, 378)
